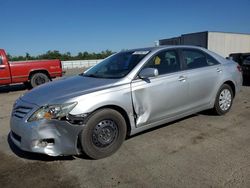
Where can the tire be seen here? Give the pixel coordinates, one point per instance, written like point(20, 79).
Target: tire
point(38, 79)
point(224, 100)
point(104, 133)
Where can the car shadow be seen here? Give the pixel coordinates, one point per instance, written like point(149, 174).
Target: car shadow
point(208, 112)
point(35, 156)
point(12, 88)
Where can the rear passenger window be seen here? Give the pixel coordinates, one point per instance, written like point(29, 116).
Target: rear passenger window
point(197, 59)
point(1, 61)
point(211, 61)
point(165, 62)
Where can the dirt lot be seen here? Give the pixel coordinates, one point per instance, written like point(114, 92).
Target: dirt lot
point(199, 151)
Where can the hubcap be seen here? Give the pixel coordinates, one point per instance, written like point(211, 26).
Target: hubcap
point(225, 99)
point(40, 80)
point(104, 133)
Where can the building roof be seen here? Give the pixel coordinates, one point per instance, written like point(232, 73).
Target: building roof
point(225, 32)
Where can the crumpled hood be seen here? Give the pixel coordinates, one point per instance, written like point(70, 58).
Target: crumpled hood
point(66, 88)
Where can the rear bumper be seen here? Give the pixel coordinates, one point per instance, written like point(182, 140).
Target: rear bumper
point(56, 75)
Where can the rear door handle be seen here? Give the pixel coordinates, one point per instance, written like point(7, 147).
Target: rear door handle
point(182, 79)
point(2, 67)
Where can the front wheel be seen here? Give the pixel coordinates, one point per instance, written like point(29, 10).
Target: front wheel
point(224, 100)
point(104, 133)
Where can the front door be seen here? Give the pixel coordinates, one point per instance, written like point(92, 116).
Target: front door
point(158, 98)
point(5, 77)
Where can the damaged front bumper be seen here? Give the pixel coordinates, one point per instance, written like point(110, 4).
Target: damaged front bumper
point(51, 137)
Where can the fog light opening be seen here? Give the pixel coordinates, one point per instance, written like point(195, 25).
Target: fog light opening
point(44, 142)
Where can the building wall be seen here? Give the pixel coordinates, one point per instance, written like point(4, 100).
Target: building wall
point(227, 43)
point(195, 39)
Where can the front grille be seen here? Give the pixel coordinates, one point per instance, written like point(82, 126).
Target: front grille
point(21, 111)
point(15, 136)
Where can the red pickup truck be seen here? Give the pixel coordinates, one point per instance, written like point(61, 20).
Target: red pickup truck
point(32, 73)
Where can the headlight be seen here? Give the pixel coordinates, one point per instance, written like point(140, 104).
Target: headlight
point(56, 111)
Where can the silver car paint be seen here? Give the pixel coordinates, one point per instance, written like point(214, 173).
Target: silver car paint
point(167, 88)
point(147, 103)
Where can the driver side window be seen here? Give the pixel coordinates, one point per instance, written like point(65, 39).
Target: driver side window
point(165, 62)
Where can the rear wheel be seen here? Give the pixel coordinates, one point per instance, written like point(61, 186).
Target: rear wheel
point(104, 133)
point(38, 79)
point(224, 100)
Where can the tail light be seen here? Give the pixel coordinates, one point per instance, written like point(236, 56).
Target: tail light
point(239, 68)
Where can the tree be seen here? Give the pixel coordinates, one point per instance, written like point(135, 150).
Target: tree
point(55, 54)
point(27, 56)
point(9, 56)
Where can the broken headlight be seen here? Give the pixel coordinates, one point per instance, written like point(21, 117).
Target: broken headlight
point(56, 111)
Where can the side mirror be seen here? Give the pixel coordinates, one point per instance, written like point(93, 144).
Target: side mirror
point(229, 58)
point(148, 72)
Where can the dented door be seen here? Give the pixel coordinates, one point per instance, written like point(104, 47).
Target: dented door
point(158, 98)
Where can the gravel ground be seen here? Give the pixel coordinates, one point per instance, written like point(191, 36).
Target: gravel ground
point(198, 151)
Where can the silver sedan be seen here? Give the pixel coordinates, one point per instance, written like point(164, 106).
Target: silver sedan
point(127, 93)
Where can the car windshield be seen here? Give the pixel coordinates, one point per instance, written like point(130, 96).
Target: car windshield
point(116, 66)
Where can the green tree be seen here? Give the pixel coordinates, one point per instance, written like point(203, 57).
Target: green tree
point(27, 56)
point(55, 54)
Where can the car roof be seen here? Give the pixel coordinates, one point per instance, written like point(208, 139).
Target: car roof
point(156, 48)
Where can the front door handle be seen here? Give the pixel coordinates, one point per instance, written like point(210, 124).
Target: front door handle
point(2, 68)
point(218, 70)
point(182, 79)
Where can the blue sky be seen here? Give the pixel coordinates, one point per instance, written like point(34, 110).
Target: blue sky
point(36, 26)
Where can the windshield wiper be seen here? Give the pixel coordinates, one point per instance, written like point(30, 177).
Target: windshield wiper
point(99, 76)
point(91, 75)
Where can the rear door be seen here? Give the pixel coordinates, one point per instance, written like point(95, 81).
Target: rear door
point(158, 98)
point(5, 77)
point(203, 73)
